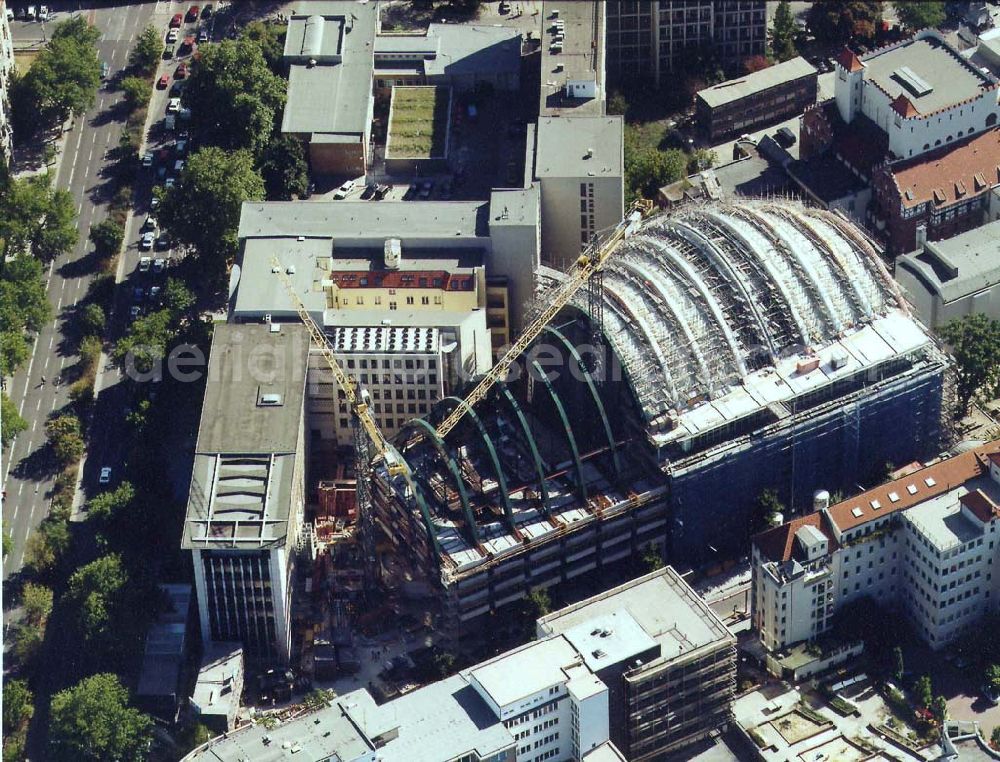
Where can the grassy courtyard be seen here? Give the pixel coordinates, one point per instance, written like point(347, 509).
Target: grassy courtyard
point(418, 123)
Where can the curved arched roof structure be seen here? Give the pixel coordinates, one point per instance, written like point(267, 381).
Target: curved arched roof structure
point(697, 300)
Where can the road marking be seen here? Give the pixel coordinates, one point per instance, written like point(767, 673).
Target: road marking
point(80, 208)
point(52, 338)
point(27, 379)
point(38, 405)
point(59, 305)
point(34, 424)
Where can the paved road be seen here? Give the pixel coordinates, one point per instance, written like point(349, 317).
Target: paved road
point(26, 473)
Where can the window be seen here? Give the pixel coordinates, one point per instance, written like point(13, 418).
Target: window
point(392, 305)
point(409, 300)
point(425, 300)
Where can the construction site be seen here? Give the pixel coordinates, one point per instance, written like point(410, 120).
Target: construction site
point(717, 353)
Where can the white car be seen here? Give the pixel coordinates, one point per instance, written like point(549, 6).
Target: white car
point(159, 265)
point(135, 311)
point(170, 183)
point(344, 189)
point(146, 242)
point(105, 477)
point(173, 105)
point(172, 35)
point(43, 13)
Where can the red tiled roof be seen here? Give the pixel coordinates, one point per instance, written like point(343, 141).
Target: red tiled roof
point(904, 107)
point(994, 458)
point(982, 507)
point(778, 543)
point(849, 60)
point(441, 279)
point(950, 174)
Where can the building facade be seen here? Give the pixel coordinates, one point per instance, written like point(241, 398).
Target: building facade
point(647, 664)
point(653, 39)
point(6, 71)
point(764, 97)
point(922, 544)
point(247, 498)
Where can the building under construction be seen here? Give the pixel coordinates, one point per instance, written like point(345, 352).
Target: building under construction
point(723, 351)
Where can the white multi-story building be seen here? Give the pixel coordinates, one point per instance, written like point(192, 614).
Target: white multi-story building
point(6, 70)
point(923, 543)
point(644, 668)
point(921, 92)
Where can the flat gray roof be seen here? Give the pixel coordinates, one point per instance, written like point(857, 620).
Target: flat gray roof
point(334, 95)
point(950, 77)
point(564, 143)
point(606, 752)
point(347, 221)
point(661, 603)
point(470, 48)
point(581, 57)
point(759, 81)
point(514, 206)
point(221, 665)
point(959, 266)
point(534, 667)
point(244, 465)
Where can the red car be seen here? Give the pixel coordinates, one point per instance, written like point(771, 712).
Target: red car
point(180, 72)
point(176, 21)
point(163, 82)
point(193, 12)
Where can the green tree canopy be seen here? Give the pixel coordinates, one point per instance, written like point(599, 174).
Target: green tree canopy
point(975, 344)
point(145, 56)
point(37, 603)
point(647, 170)
point(919, 14)
point(203, 209)
point(93, 721)
point(18, 706)
point(783, 32)
point(270, 38)
point(146, 342)
point(284, 169)
point(137, 92)
point(13, 423)
point(840, 22)
point(233, 96)
point(992, 676)
point(65, 434)
point(96, 592)
point(35, 218)
point(62, 80)
point(106, 505)
point(93, 319)
point(923, 693)
point(107, 237)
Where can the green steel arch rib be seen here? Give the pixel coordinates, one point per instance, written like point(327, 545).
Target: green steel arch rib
point(581, 483)
point(594, 395)
point(532, 445)
point(508, 511)
point(418, 496)
point(456, 474)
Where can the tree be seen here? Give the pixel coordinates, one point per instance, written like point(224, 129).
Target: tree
point(975, 344)
point(284, 169)
point(442, 665)
point(992, 677)
point(648, 170)
point(66, 437)
point(136, 91)
point(107, 237)
point(233, 96)
point(840, 22)
point(203, 209)
point(104, 506)
point(940, 709)
point(783, 32)
point(27, 644)
point(93, 721)
point(93, 319)
point(95, 592)
point(178, 299)
point(11, 423)
point(538, 604)
point(755, 63)
point(18, 706)
point(899, 667)
point(652, 560)
point(62, 80)
point(766, 511)
point(37, 603)
point(57, 231)
point(34, 218)
point(923, 694)
point(146, 342)
point(8, 540)
point(919, 14)
point(145, 56)
point(270, 38)
point(701, 159)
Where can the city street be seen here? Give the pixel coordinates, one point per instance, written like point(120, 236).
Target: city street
point(36, 389)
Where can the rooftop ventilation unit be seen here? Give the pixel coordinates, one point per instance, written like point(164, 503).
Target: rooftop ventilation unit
point(270, 399)
point(912, 81)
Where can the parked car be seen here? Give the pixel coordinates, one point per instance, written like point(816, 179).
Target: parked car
point(154, 203)
point(991, 694)
point(411, 191)
point(173, 105)
point(381, 190)
point(179, 166)
point(162, 243)
point(138, 294)
point(135, 311)
point(181, 71)
point(176, 21)
point(154, 293)
point(43, 13)
point(176, 89)
point(344, 189)
point(192, 13)
point(172, 36)
point(147, 159)
point(203, 35)
point(31, 15)
point(187, 45)
point(180, 147)
point(105, 477)
point(159, 265)
point(785, 137)
point(163, 81)
point(149, 223)
point(368, 192)
point(170, 183)
point(144, 263)
point(146, 242)
point(207, 11)
point(426, 188)
point(105, 70)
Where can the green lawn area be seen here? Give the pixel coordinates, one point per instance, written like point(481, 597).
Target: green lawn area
point(418, 122)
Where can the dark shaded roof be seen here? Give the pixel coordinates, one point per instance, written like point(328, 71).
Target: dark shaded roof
point(826, 177)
